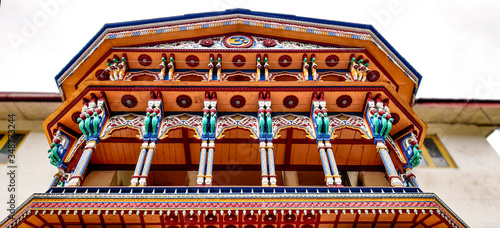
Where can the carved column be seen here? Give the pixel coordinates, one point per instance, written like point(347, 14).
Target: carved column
point(378, 115)
point(333, 165)
point(389, 166)
point(272, 171)
point(210, 160)
point(324, 162)
point(152, 123)
point(138, 167)
point(147, 164)
point(201, 169)
point(77, 177)
point(321, 121)
point(268, 176)
point(92, 118)
point(209, 122)
point(263, 165)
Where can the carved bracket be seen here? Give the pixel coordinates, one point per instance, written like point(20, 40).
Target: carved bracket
point(154, 115)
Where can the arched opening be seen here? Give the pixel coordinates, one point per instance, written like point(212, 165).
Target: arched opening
point(328, 78)
point(283, 78)
point(143, 77)
point(239, 78)
point(191, 78)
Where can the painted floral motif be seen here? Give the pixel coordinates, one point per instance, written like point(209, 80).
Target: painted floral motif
point(121, 121)
point(295, 121)
point(353, 122)
point(259, 43)
point(237, 120)
point(182, 120)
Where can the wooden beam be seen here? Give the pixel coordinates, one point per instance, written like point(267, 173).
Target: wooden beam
point(68, 130)
point(42, 219)
point(101, 218)
point(29, 223)
point(288, 148)
point(80, 217)
point(421, 220)
point(244, 167)
point(141, 216)
point(405, 130)
point(356, 219)
point(61, 220)
point(187, 150)
point(375, 220)
point(395, 220)
point(239, 141)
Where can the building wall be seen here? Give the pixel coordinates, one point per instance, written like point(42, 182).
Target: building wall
point(472, 189)
point(34, 172)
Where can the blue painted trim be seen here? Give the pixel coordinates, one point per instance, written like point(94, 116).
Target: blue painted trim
point(257, 190)
point(238, 11)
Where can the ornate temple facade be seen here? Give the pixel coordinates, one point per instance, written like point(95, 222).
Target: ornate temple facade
point(236, 119)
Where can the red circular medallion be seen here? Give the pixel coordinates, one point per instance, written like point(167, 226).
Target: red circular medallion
point(192, 61)
point(101, 75)
point(210, 219)
point(290, 101)
point(344, 101)
point(308, 219)
point(190, 219)
point(75, 116)
point(332, 60)
point(239, 60)
point(238, 41)
point(171, 219)
point(206, 42)
point(230, 219)
point(290, 218)
point(250, 219)
point(395, 118)
point(129, 101)
point(237, 101)
point(184, 101)
point(373, 76)
point(285, 60)
point(270, 218)
point(269, 43)
point(144, 60)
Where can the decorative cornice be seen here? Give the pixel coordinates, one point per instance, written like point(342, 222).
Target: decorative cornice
point(245, 17)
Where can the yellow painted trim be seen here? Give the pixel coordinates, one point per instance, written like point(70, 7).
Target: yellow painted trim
point(3, 141)
point(442, 150)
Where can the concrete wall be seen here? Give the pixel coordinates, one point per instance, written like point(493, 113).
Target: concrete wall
point(34, 172)
point(472, 189)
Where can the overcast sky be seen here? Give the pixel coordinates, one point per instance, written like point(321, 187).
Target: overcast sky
point(453, 44)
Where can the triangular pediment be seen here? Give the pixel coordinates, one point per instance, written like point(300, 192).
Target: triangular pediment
point(241, 41)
